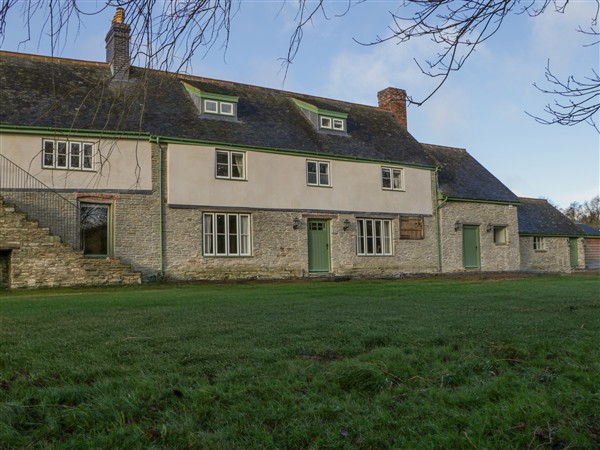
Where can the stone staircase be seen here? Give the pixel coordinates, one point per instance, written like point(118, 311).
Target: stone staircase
point(32, 258)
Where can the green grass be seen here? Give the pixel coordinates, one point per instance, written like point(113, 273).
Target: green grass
point(362, 364)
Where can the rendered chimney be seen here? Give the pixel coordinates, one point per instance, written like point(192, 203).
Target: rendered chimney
point(394, 100)
point(117, 47)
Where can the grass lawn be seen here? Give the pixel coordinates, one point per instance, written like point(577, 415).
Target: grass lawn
point(433, 363)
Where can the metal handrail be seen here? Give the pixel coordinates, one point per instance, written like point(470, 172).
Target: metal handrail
point(40, 202)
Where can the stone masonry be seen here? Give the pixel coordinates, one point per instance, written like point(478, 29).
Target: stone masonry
point(38, 259)
point(494, 258)
point(554, 258)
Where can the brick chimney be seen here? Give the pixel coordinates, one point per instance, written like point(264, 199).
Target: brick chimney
point(117, 47)
point(394, 100)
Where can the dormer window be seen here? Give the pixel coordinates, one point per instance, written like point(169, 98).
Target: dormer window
point(213, 105)
point(323, 119)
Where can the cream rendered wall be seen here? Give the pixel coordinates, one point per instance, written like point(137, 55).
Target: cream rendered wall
point(119, 164)
point(276, 181)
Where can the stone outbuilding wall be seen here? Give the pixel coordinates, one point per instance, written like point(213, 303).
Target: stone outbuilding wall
point(493, 258)
point(555, 257)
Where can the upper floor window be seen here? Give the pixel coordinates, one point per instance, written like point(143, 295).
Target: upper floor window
point(68, 155)
point(230, 165)
point(374, 237)
point(218, 107)
point(213, 104)
point(317, 173)
point(323, 119)
point(391, 179)
point(331, 123)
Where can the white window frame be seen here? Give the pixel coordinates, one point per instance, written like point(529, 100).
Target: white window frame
point(332, 123)
point(218, 243)
point(230, 154)
point(318, 165)
point(231, 113)
point(217, 107)
point(206, 110)
point(339, 124)
point(392, 171)
point(539, 244)
point(500, 229)
point(85, 155)
point(379, 240)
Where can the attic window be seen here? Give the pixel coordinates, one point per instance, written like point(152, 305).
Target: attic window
point(212, 105)
point(323, 119)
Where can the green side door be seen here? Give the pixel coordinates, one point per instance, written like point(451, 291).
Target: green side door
point(471, 257)
point(574, 252)
point(318, 246)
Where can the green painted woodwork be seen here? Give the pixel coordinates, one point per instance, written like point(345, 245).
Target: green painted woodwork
point(209, 95)
point(573, 252)
point(318, 246)
point(471, 257)
point(323, 112)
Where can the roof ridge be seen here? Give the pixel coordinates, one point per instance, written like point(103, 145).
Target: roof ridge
point(445, 147)
point(54, 59)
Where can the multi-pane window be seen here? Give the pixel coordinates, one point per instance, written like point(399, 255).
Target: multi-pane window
point(218, 107)
point(391, 178)
point(374, 237)
point(331, 123)
point(411, 228)
point(226, 234)
point(68, 155)
point(539, 243)
point(231, 165)
point(317, 173)
point(500, 235)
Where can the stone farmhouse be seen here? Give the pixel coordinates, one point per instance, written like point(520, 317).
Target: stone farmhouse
point(113, 174)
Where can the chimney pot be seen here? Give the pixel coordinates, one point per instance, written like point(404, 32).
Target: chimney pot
point(394, 100)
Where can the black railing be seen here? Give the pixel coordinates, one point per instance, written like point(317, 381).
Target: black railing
point(39, 201)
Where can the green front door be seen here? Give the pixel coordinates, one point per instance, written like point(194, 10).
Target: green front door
point(471, 246)
point(574, 252)
point(318, 246)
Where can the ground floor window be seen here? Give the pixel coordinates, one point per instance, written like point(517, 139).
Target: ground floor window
point(411, 228)
point(374, 237)
point(226, 234)
point(94, 219)
point(500, 235)
point(539, 244)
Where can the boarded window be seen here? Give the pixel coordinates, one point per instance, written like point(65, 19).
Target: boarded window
point(411, 228)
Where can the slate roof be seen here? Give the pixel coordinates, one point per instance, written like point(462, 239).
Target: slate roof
point(588, 230)
point(537, 216)
point(45, 92)
point(461, 176)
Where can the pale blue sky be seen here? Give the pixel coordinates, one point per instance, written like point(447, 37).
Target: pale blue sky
point(481, 108)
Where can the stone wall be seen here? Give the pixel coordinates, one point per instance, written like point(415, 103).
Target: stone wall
point(38, 259)
point(280, 251)
point(493, 257)
point(555, 258)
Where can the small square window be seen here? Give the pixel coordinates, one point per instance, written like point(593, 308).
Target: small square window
point(539, 244)
point(211, 107)
point(338, 124)
point(226, 108)
point(325, 122)
point(500, 236)
point(411, 228)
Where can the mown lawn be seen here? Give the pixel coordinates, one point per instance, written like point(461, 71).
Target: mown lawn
point(363, 364)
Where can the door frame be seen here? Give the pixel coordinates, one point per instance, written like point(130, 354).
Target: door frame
point(327, 248)
point(477, 246)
